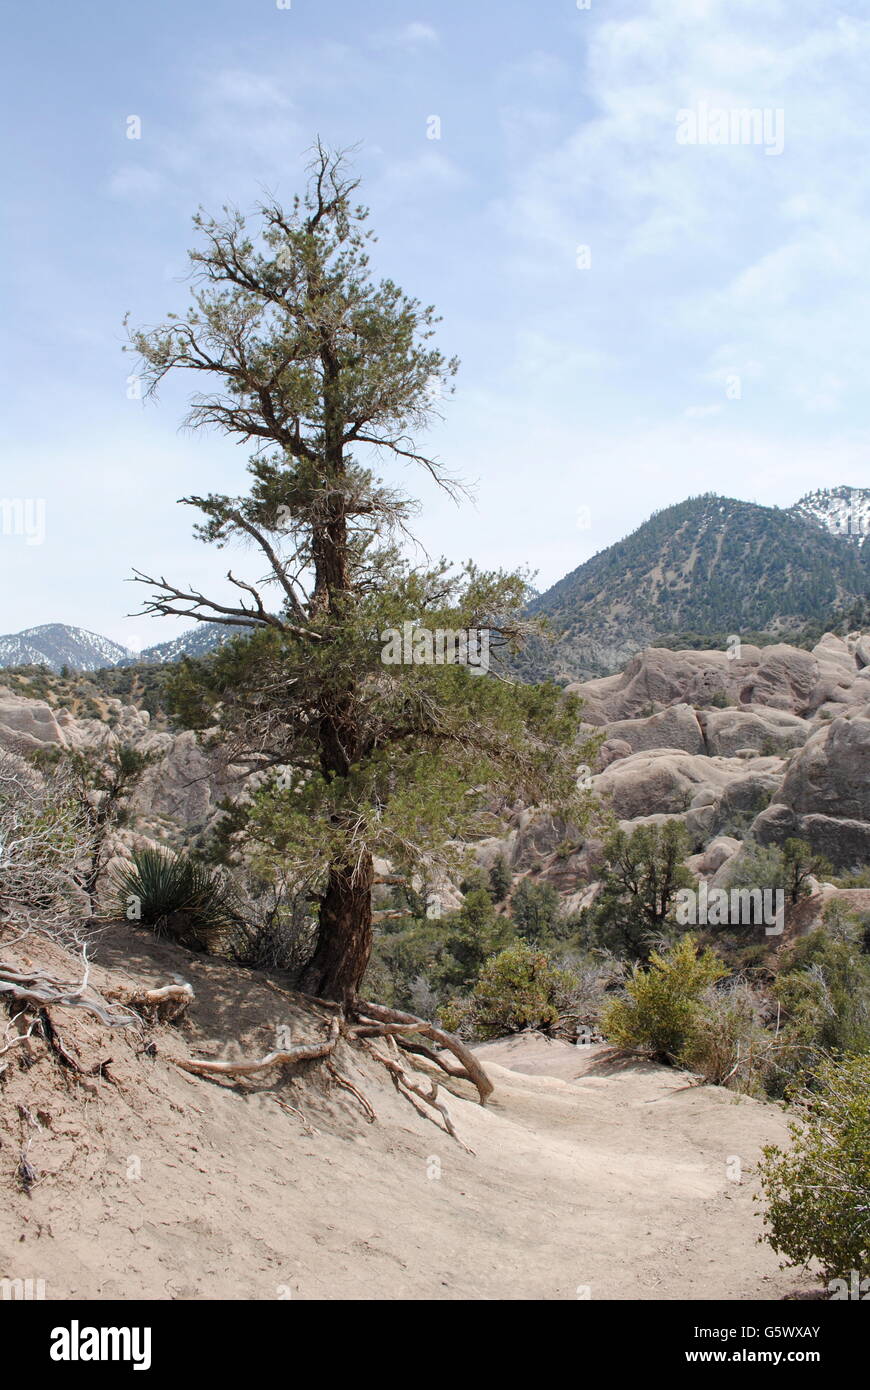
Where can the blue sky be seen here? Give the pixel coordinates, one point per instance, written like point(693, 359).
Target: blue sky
point(715, 335)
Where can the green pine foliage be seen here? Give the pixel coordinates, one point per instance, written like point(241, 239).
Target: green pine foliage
point(360, 756)
point(535, 910)
point(817, 1192)
point(643, 872)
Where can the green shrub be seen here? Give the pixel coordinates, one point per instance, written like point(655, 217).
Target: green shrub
point(470, 936)
point(661, 1009)
point(788, 868)
point(178, 897)
point(818, 1191)
point(456, 1015)
point(500, 879)
point(447, 952)
point(518, 989)
point(757, 866)
point(403, 950)
point(476, 880)
point(727, 1043)
point(534, 908)
point(801, 862)
point(643, 873)
point(823, 987)
point(856, 878)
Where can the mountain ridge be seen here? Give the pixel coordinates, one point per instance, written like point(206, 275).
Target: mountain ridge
point(55, 645)
point(702, 568)
point(844, 511)
point(708, 566)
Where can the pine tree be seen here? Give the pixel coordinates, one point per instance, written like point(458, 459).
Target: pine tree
point(305, 354)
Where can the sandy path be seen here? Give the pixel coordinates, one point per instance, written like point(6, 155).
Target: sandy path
point(587, 1175)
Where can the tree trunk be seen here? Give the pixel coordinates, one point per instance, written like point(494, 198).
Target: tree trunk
point(344, 942)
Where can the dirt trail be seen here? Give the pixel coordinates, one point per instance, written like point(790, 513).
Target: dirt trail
point(587, 1173)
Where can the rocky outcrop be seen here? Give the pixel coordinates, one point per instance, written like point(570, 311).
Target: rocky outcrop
point(611, 750)
point(825, 795)
point(675, 727)
point(784, 678)
point(845, 842)
point(730, 746)
point(26, 725)
point(831, 774)
point(186, 785)
point(746, 795)
point(772, 742)
point(539, 835)
point(657, 677)
point(177, 797)
point(835, 674)
point(718, 853)
point(664, 781)
point(728, 733)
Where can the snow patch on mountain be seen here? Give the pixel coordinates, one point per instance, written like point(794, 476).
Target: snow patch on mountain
point(56, 645)
point(844, 511)
point(196, 642)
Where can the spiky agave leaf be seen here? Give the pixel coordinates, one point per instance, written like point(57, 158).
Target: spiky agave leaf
point(178, 896)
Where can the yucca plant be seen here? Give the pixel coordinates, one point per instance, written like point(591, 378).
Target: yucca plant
point(178, 897)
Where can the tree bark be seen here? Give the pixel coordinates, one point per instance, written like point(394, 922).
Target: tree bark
point(344, 943)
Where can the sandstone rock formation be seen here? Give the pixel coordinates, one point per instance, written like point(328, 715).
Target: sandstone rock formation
point(780, 677)
point(728, 733)
point(26, 725)
point(825, 795)
point(675, 727)
point(774, 742)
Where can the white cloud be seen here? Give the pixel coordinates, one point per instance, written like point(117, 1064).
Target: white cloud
point(240, 126)
point(414, 35)
point(716, 245)
point(238, 87)
point(430, 168)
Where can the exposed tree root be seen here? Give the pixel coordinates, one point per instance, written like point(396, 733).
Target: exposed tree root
point(11, 1039)
point(56, 1043)
point(155, 996)
point(387, 1030)
point(167, 1003)
point(421, 1050)
point(471, 1070)
point(410, 1089)
point(348, 1085)
point(291, 1110)
point(39, 988)
point(301, 1052)
point(373, 1021)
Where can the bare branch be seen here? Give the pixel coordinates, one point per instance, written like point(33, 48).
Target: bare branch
point(215, 612)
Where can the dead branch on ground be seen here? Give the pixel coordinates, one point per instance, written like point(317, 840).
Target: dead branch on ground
point(42, 989)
